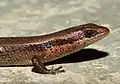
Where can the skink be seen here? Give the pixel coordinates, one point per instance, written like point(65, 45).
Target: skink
point(36, 50)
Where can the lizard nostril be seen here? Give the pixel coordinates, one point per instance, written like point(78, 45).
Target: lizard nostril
point(89, 33)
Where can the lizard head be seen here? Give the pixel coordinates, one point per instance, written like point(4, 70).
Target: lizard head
point(92, 33)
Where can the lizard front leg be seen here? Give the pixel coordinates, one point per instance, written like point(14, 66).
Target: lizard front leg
point(39, 67)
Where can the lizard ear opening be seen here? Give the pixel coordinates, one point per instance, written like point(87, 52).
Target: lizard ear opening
point(89, 33)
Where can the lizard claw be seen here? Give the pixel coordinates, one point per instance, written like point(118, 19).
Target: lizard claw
point(56, 70)
point(39, 67)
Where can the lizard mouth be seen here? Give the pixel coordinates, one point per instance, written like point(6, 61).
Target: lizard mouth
point(102, 32)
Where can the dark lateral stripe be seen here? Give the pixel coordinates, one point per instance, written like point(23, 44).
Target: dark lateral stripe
point(58, 42)
point(47, 44)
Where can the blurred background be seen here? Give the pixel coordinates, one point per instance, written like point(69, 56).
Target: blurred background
point(38, 17)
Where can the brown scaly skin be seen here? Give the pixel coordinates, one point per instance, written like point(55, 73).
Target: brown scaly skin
point(37, 50)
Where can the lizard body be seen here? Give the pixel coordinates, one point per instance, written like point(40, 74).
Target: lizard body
point(36, 50)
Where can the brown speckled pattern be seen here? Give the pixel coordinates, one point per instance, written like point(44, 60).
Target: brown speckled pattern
point(20, 50)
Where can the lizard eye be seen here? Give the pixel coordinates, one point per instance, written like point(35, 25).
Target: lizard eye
point(89, 33)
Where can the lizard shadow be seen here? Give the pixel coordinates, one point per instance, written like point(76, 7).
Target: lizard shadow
point(80, 56)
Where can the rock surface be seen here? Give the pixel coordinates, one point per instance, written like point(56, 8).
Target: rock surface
point(37, 17)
